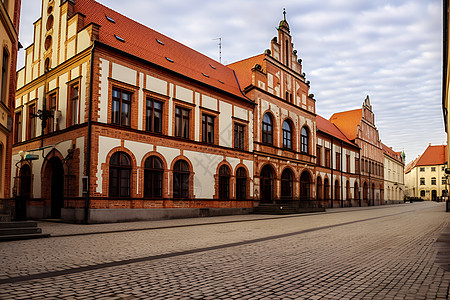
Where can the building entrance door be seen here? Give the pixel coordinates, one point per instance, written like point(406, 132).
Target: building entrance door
point(24, 192)
point(434, 195)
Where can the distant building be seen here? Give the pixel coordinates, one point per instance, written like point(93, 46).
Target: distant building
point(394, 175)
point(425, 176)
point(9, 28)
point(338, 167)
point(359, 127)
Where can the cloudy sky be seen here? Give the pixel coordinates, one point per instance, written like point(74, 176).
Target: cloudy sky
point(389, 50)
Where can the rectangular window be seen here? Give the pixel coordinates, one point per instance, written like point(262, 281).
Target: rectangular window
point(4, 79)
point(182, 122)
point(356, 165)
point(348, 163)
point(239, 136)
point(32, 121)
point(338, 161)
point(51, 107)
point(72, 113)
point(121, 108)
point(444, 180)
point(319, 155)
point(422, 169)
point(153, 116)
point(422, 181)
point(208, 129)
point(18, 127)
point(433, 169)
point(327, 158)
point(433, 181)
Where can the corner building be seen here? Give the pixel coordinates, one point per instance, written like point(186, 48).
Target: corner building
point(115, 127)
point(9, 29)
point(284, 122)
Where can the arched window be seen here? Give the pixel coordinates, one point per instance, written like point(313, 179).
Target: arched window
point(422, 193)
point(433, 180)
point(119, 175)
point(365, 191)
point(336, 190)
point(267, 129)
point(153, 177)
point(181, 179)
point(287, 135)
point(305, 181)
point(266, 184)
point(326, 191)
point(224, 182)
point(348, 196)
point(287, 184)
point(241, 184)
point(319, 188)
point(304, 140)
point(356, 191)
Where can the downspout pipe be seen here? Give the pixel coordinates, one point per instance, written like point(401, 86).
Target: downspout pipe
point(89, 140)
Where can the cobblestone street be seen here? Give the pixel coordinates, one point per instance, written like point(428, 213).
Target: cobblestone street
point(371, 253)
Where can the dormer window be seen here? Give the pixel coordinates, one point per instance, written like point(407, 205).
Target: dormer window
point(110, 19)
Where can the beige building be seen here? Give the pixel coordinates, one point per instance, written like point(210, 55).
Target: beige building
point(425, 176)
point(394, 179)
point(9, 16)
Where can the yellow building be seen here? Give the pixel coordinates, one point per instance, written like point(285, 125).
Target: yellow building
point(9, 15)
point(446, 73)
point(394, 176)
point(425, 176)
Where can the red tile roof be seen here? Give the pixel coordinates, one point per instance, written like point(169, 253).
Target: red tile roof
point(244, 67)
point(393, 154)
point(411, 165)
point(327, 127)
point(433, 155)
point(142, 42)
point(348, 122)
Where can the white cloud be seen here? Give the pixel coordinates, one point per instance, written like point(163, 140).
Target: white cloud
point(390, 50)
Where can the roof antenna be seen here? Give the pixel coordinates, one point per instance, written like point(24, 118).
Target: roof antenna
point(220, 48)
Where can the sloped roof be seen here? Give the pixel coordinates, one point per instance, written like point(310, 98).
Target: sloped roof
point(393, 154)
point(243, 69)
point(143, 42)
point(327, 127)
point(433, 155)
point(347, 122)
point(411, 165)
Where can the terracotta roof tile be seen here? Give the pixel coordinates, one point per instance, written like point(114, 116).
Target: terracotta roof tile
point(141, 42)
point(244, 67)
point(348, 122)
point(327, 127)
point(433, 155)
point(393, 154)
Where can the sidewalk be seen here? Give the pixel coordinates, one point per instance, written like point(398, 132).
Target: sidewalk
point(58, 229)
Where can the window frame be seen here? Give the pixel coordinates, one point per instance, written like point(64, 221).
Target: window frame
point(239, 137)
point(267, 129)
point(31, 124)
point(241, 184)
point(73, 105)
point(153, 176)
point(287, 135)
point(5, 74)
point(18, 130)
point(183, 118)
point(304, 140)
point(150, 124)
point(287, 184)
point(182, 177)
point(422, 181)
point(121, 101)
point(224, 182)
point(122, 169)
point(208, 124)
point(51, 107)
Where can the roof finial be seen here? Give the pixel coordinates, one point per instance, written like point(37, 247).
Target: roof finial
point(284, 13)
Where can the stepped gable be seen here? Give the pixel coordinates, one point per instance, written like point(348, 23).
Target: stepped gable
point(348, 122)
point(120, 32)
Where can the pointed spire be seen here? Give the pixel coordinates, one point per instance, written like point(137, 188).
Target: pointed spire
point(284, 13)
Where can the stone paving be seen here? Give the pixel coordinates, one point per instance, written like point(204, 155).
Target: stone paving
point(375, 253)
